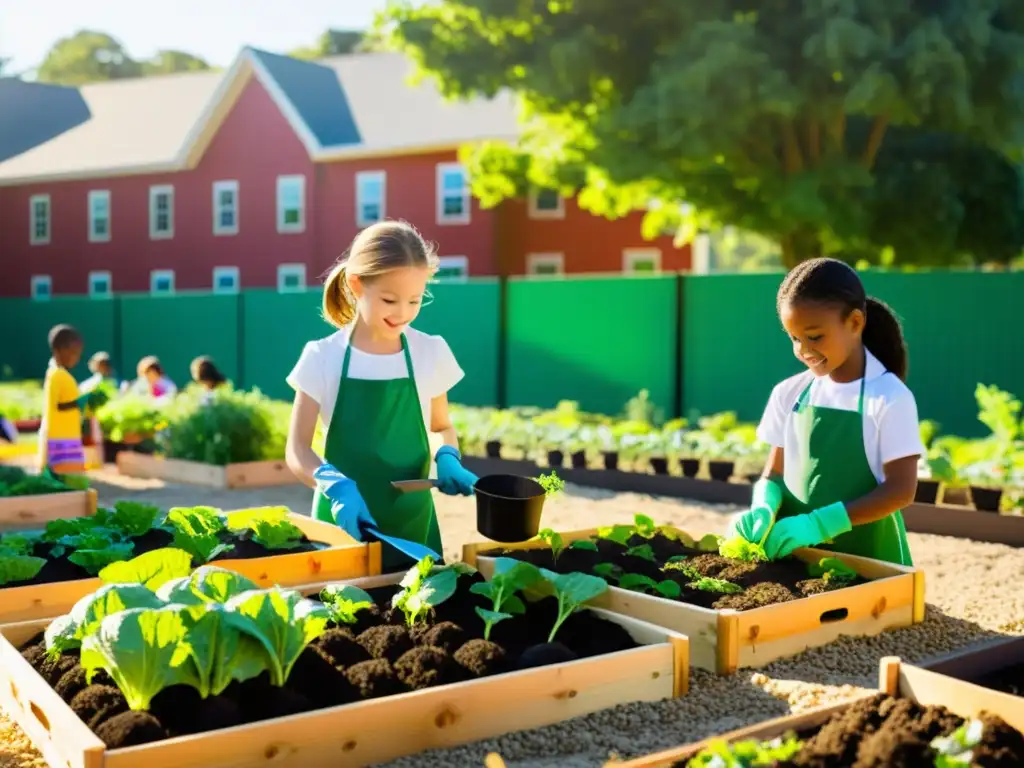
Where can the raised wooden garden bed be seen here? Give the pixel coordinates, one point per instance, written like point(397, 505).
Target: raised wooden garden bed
point(342, 558)
point(925, 687)
point(997, 664)
point(249, 474)
point(724, 641)
point(368, 731)
point(25, 512)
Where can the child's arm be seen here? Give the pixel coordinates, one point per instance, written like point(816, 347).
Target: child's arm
point(895, 492)
point(441, 421)
point(299, 454)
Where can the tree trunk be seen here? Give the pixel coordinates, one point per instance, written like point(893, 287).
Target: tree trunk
point(799, 246)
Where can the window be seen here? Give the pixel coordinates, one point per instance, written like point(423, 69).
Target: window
point(101, 285)
point(291, 278)
point(161, 282)
point(99, 216)
point(291, 204)
point(39, 220)
point(41, 287)
point(545, 264)
point(225, 280)
point(452, 194)
point(641, 260)
point(453, 269)
point(371, 197)
point(547, 204)
point(161, 212)
point(225, 207)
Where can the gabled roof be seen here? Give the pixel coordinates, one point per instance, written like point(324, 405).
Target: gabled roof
point(344, 106)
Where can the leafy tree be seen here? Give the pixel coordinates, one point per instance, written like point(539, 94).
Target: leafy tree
point(333, 42)
point(168, 62)
point(767, 114)
point(87, 57)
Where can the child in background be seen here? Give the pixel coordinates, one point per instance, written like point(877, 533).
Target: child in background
point(206, 373)
point(60, 434)
point(102, 370)
point(159, 386)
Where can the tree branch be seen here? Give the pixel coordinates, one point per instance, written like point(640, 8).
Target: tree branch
point(874, 141)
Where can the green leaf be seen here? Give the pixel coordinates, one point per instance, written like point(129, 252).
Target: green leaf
point(636, 582)
point(244, 519)
point(572, 591)
point(644, 552)
point(709, 543)
point(207, 584)
point(152, 569)
point(19, 567)
point(739, 548)
point(67, 632)
point(221, 652)
point(134, 518)
point(141, 649)
point(344, 601)
point(554, 540)
point(95, 560)
point(716, 585)
point(277, 535)
point(196, 521)
point(645, 526)
point(584, 544)
point(620, 534)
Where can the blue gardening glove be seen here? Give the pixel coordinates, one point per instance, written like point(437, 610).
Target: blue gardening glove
point(754, 524)
point(815, 527)
point(347, 504)
point(452, 478)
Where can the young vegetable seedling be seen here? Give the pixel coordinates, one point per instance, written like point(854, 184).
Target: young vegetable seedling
point(344, 601)
point(552, 484)
point(832, 570)
point(510, 576)
point(639, 583)
point(572, 590)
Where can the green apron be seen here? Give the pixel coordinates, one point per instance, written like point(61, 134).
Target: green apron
point(377, 436)
point(831, 465)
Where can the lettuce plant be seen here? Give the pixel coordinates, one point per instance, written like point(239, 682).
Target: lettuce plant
point(207, 584)
point(16, 560)
point(832, 570)
point(195, 531)
point(422, 589)
point(720, 586)
point(572, 590)
point(344, 601)
point(270, 526)
point(151, 569)
point(747, 754)
point(67, 632)
point(134, 518)
point(510, 576)
point(221, 647)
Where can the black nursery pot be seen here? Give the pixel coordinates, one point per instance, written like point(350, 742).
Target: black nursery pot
point(690, 467)
point(508, 507)
point(493, 448)
point(555, 458)
point(579, 459)
point(611, 459)
point(986, 499)
point(721, 470)
point(660, 465)
point(927, 491)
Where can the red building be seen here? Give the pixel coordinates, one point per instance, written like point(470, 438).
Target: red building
point(261, 175)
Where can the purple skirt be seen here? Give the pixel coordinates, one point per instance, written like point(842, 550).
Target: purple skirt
point(64, 456)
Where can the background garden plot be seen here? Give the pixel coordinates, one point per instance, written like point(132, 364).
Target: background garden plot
point(973, 593)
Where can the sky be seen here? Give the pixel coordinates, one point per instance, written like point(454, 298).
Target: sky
point(212, 29)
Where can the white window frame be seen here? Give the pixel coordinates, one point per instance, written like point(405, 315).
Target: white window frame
point(232, 272)
point(630, 257)
point(286, 270)
point(535, 212)
point(34, 239)
point(34, 284)
point(362, 177)
point(100, 275)
point(464, 217)
point(157, 274)
point(154, 194)
point(95, 196)
point(534, 260)
point(462, 262)
point(291, 183)
point(225, 186)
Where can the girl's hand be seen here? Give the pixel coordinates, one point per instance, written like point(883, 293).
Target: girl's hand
point(821, 525)
point(452, 478)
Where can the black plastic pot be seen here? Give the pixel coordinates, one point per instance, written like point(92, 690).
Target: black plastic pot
point(493, 448)
point(579, 459)
point(555, 458)
point(611, 459)
point(927, 491)
point(660, 465)
point(508, 507)
point(690, 467)
point(721, 470)
point(986, 499)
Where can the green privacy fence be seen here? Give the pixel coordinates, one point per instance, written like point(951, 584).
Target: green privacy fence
point(697, 343)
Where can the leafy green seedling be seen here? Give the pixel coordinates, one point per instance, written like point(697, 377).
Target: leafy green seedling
point(151, 569)
point(955, 750)
point(423, 590)
point(344, 601)
point(709, 543)
point(684, 568)
point(554, 540)
point(643, 551)
point(639, 583)
point(620, 534)
point(134, 518)
point(747, 753)
point(607, 571)
point(584, 544)
point(738, 548)
point(552, 484)
point(510, 576)
point(715, 585)
point(644, 526)
point(572, 590)
point(832, 570)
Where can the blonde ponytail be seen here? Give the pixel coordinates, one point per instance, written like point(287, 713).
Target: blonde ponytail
point(338, 309)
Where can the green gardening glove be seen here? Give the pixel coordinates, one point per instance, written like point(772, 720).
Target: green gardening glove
point(754, 524)
point(815, 527)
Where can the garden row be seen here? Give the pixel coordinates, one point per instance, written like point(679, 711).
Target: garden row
point(187, 639)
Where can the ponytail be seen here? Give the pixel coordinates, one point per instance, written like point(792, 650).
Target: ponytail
point(883, 337)
point(338, 308)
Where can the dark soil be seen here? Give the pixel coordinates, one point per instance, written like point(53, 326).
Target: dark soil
point(885, 732)
point(762, 583)
point(61, 569)
point(342, 667)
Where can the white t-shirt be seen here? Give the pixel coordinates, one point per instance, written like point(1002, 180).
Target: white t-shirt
point(318, 372)
point(891, 430)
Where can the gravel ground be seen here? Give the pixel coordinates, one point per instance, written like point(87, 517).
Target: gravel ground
point(973, 593)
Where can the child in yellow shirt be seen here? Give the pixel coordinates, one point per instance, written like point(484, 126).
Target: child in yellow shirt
point(60, 434)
